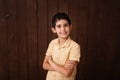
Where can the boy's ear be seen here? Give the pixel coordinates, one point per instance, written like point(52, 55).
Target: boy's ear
point(70, 27)
point(53, 30)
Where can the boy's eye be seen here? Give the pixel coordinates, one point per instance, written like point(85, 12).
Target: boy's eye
point(58, 26)
point(64, 25)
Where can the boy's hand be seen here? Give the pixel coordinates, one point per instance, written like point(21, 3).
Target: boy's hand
point(50, 59)
point(70, 64)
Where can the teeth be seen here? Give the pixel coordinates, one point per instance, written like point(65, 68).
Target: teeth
point(63, 33)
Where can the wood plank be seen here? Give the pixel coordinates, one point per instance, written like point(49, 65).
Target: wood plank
point(3, 44)
point(42, 35)
point(22, 39)
point(73, 13)
point(101, 40)
point(63, 6)
point(52, 9)
point(82, 37)
point(32, 39)
point(12, 39)
point(93, 21)
point(113, 41)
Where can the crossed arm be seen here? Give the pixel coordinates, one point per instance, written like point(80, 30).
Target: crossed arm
point(65, 69)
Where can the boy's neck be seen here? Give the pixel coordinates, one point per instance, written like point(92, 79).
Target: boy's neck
point(62, 40)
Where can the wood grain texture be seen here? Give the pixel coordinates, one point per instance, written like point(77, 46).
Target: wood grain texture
point(3, 43)
point(25, 32)
point(42, 35)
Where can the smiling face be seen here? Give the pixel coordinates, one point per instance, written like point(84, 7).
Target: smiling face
point(62, 28)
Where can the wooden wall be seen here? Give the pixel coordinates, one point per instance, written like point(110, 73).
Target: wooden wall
point(25, 34)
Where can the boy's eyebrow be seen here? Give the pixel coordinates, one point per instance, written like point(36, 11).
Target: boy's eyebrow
point(65, 23)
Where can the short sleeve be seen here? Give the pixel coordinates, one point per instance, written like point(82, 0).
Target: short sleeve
point(49, 50)
point(75, 53)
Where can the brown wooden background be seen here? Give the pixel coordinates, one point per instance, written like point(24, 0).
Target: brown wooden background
point(25, 34)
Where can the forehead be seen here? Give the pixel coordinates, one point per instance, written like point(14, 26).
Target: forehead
point(61, 21)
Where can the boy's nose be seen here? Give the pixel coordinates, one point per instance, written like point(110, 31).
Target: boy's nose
point(63, 28)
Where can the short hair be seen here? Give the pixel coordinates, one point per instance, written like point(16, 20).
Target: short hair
point(59, 16)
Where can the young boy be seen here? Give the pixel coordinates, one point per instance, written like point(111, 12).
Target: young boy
point(63, 53)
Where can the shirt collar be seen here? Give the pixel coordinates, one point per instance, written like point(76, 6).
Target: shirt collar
point(66, 44)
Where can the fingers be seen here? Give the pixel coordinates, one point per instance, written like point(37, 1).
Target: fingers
point(50, 58)
point(70, 64)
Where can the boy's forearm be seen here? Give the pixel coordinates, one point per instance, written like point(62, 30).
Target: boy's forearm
point(48, 67)
point(61, 69)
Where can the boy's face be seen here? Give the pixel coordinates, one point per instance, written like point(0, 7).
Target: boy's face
point(62, 29)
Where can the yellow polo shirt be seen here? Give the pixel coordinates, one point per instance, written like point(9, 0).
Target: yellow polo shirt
point(69, 50)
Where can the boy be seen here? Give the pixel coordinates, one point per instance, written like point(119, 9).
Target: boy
point(63, 53)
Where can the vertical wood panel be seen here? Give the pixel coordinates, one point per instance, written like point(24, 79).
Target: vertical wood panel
point(92, 39)
point(42, 35)
point(22, 39)
point(12, 40)
point(63, 6)
point(25, 32)
point(73, 13)
point(101, 41)
point(32, 40)
point(82, 37)
point(3, 44)
point(113, 41)
point(52, 9)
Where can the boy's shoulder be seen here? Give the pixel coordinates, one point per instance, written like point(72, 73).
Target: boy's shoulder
point(53, 41)
point(74, 43)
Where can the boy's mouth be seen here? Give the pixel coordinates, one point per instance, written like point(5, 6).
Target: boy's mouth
point(63, 33)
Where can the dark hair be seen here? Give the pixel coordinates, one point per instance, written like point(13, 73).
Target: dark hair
point(59, 16)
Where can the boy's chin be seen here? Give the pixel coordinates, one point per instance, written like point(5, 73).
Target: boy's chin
point(64, 37)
